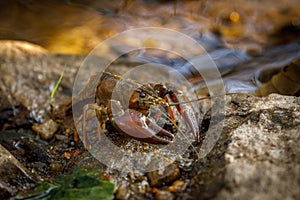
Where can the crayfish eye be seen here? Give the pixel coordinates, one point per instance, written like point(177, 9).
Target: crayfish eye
point(142, 95)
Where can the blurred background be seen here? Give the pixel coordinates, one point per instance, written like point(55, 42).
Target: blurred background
point(77, 26)
point(245, 37)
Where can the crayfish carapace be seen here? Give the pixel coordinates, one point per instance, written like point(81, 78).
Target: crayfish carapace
point(138, 120)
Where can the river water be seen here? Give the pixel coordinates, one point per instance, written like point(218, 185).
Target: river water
point(242, 36)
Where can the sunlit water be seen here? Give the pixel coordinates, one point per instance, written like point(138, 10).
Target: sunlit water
point(241, 36)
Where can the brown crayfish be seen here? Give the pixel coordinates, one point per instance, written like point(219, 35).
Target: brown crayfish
point(137, 120)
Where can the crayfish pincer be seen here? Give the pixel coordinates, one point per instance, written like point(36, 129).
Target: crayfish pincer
point(141, 114)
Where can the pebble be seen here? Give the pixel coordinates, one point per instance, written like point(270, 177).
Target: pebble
point(67, 155)
point(167, 176)
point(122, 192)
point(61, 137)
point(56, 167)
point(177, 186)
point(46, 130)
point(163, 195)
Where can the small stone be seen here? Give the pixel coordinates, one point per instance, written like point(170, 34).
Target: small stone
point(46, 130)
point(167, 176)
point(163, 195)
point(122, 192)
point(56, 167)
point(60, 137)
point(67, 155)
point(177, 186)
point(141, 178)
point(76, 153)
point(143, 187)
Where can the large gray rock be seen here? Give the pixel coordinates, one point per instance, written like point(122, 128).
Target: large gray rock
point(258, 153)
point(29, 74)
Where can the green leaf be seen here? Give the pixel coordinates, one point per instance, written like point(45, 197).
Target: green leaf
point(80, 185)
point(56, 86)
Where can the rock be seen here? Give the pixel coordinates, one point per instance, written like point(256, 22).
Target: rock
point(56, 166)
point(28, 75)
point(263, 159)
point(46, 130)
point(13, 116)
point(257, 155)
point(163, 195)
point(14, 177)
point(61, 137)
point(164, 177)
point(16, 50)
point(177, 186)
point(122, 192)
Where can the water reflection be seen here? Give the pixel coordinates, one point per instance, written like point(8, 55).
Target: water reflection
point(240, 35)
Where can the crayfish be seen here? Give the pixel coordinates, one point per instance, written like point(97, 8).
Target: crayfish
point(134, 116)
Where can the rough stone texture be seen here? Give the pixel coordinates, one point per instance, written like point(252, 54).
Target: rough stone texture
point(28, 75)
point(167, 176)
point(46, 130)
point(13, 175)
point(256, 157)
point(258, 153)
point(11, 49)
point(263, 159)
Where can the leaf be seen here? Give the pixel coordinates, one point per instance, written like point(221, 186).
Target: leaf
point(80, 185)
point(56, 86)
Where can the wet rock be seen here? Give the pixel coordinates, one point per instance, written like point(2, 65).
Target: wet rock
point(177, 186)
point(164, 176)
point(16, 50)
point(61, 137)
point(56, 166)
point(13, 175)
point(14, 116)
point(164, 195)
point(28, 75)
point(257, 155)
point(122, 192)
point(46, 130)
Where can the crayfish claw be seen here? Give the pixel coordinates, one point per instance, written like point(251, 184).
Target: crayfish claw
point(154, 139)
point(151, 123)
point(142, 129)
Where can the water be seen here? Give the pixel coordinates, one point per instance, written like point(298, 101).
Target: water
point(242, 36)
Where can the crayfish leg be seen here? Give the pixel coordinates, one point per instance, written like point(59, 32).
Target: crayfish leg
point(85, 117)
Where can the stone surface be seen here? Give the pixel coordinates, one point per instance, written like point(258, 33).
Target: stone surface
point(263, 159)
point(256, 157)
point(46, 130)
point(29, 74)
point(164, 195)
point(12, 49)
point(13, 175)
point(164, 176)
point(258, 153)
